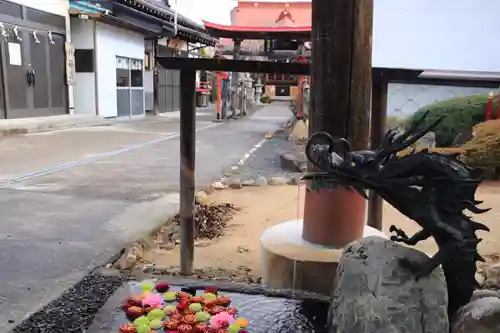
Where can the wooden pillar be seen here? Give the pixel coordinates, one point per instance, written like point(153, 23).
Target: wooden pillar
point(156, 79)
point(340, 92)
point(234, 77)
point(187, 168)
point(218, 105)
point(378, 128)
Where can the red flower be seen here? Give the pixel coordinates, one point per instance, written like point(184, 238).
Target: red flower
point(127, 328)
point(162, 287)
point(182, 305)
point(212, 290)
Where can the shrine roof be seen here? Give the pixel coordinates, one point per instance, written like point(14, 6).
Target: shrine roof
point(257, 32)
point(259, 20)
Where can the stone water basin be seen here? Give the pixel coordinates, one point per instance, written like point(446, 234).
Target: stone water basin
point(282, 312)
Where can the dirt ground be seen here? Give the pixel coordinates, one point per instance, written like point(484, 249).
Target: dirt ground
point(262, 207)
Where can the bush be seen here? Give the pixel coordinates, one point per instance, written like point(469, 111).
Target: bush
point(461, 114)
point(483, 151)
point(265, 99)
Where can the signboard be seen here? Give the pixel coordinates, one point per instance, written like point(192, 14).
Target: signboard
point(70, 64)
point(281, 45)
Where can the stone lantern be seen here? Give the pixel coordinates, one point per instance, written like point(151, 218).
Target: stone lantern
point(258, 91)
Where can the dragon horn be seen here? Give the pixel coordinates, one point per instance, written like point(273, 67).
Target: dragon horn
point(477, 257)
point(479, 226)
point(477, 202)
point(476, 210)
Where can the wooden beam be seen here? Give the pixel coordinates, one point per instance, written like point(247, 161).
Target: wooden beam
point(378, 128)
point(340, 91)
point(187, 169)
point(256, 66)
point(227, 65)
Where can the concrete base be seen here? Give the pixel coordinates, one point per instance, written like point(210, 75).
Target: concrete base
point(290, 262)
point(40, 124)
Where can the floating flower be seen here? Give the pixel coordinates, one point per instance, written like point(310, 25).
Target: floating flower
point(141, 321)
point(162, 287)
point(127, 328)
point(195, 307)
point(143, 329)
point(202, 316)
point(218, 309)
point(146, 287)
point(169, 309)
point(189, 319)
point(232, 311)
point(221, 320)
point(133, 311)
point(211, 290)
point(182, 305)
point(234, 328)
point(156, 324)
point(201, 328)
point(157, 314)
point(196, 299)
point(169, 296)
point(171, 324)
point(223, 300)
point(242, 322)
point(209, 296)
point(153, 300)
point(184, 328)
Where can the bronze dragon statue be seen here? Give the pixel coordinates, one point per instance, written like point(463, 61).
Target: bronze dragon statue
point(433, 189)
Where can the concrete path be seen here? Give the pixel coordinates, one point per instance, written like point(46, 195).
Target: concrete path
point(70, 199)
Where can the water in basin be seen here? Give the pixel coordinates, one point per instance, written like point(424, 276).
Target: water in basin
point(267, 314)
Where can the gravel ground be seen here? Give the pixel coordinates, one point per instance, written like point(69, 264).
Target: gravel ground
point(74, 311)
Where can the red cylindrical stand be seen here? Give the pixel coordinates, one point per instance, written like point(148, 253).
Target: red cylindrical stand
point(333, 217)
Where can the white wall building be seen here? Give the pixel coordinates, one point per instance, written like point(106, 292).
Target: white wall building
point(114, 85)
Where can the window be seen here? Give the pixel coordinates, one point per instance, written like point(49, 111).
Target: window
point(136, 73)
point(122, 72)
point(84, 61)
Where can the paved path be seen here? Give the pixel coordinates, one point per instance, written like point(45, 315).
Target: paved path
point(70, 199)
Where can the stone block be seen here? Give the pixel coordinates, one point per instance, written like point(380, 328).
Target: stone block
point(374, 294)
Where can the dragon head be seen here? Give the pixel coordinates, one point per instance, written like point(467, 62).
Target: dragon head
point(337, 164)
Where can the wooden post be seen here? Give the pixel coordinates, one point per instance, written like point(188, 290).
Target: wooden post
point(156, 79)
point(234, 78)
point(187, 168)
point(378, 129)
point(340, 93)
point(218, 104)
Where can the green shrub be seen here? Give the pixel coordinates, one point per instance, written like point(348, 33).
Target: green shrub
point(265, 99)
point(461, 114)
point(483, 151)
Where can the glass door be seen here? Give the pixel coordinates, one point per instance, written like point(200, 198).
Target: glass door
point(123, 87)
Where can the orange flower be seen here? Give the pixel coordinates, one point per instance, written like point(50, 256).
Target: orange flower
point(242, 322)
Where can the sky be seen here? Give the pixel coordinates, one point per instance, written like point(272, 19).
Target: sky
point(216, 11)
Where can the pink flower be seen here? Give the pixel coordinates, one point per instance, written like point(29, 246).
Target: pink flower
point(153, 300)
point(221, 320)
